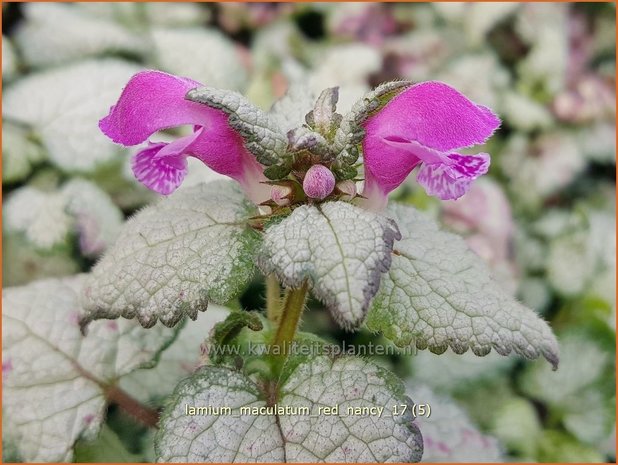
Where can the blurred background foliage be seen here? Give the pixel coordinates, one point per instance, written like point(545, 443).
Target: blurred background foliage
point(543, 219)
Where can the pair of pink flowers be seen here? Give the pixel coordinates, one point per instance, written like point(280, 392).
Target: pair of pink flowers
point(422, 126)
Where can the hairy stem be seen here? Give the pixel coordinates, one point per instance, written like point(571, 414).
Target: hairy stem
point(292, 310)
point(142, 413)
point(273, 298)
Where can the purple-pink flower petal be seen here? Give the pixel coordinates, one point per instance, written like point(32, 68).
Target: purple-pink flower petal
point(435, 115)
point(449, 181)
point(161, 166)
point(386, 167)
point(152, 101)
point(422, 126)
point(221, 147)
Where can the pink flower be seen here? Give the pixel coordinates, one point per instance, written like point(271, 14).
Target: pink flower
point(152, 101)
point(281, 194)
point(424, 126)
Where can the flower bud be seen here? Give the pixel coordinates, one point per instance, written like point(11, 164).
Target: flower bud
point(319, 182)
point(347, 189)
point(264, 210)
point(281, 194)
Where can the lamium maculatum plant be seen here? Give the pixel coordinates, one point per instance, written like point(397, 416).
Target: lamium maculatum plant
point(307, 207)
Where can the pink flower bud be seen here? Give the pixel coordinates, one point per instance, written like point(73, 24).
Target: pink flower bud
point(281, 195)
point(347, 189)
point(319, 182)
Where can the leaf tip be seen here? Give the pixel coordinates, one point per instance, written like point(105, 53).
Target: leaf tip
point(83, 322)
point(552, 356)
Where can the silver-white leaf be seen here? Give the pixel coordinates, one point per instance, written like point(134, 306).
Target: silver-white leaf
point(340, 249)
point(302, 437)
point(54, 33)
point(97, 218)
point(174, 257)
point(48, 218)
point(152, 13)
point(9, 59)
point(174, 51)
point(438, 294)
point(346, 65)
point(449, 435)
point(62, 107)
point(290, 110)
point(41, 216)
point(576, 389)
point(54, 378)
point(19, 152)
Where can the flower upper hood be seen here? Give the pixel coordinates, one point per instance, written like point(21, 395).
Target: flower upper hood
point(152, 101)
point(424, 126)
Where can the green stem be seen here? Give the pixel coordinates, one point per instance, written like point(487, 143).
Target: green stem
point(273, 298)
point(292, 310)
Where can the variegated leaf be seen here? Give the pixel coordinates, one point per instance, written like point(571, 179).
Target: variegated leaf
point(174, 257)
point(341, 249)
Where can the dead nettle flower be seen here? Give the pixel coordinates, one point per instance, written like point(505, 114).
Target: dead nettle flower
point(153, 101)
point(424, 126)
point(421, 125)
